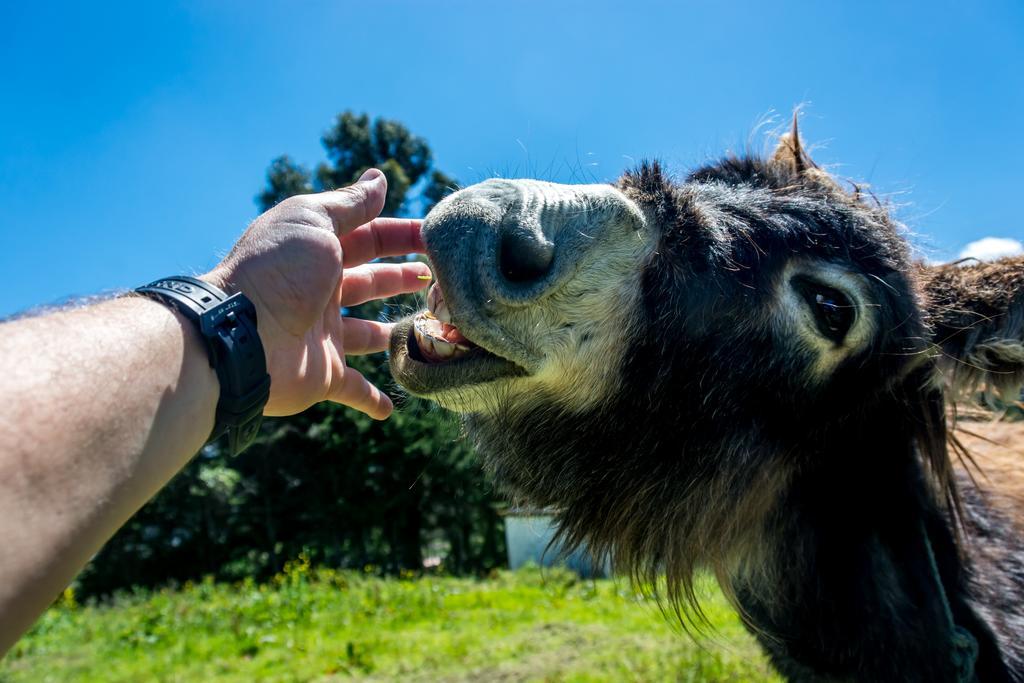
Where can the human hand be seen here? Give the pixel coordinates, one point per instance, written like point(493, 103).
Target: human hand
point(299, 263)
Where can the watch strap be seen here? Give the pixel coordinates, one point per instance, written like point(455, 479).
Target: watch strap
point(227, 325)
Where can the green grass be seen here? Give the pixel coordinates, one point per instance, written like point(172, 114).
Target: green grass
point(309, 625)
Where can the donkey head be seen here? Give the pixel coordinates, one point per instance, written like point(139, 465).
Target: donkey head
point(659, 359)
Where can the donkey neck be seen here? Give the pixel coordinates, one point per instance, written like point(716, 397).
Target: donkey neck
point(854, 595)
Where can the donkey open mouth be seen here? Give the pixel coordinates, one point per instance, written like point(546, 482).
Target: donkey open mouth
point(430, 355)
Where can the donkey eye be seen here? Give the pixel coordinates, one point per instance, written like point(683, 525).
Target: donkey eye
point(833, 312)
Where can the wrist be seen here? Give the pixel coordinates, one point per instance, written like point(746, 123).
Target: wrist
point(196, 368)
point(226, 324)
point(220, 278)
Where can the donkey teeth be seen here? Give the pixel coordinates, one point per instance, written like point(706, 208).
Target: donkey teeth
point(426, 345)
point(435, 349)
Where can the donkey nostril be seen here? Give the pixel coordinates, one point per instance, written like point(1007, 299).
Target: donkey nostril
point(524, 256)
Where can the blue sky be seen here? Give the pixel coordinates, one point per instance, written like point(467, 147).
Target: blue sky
point(133, 138)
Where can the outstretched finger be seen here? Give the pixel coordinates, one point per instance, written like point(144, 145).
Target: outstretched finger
point(382, 237)
point(359, 203)
point(357, 392)
point(381, 280)
point(360, 337)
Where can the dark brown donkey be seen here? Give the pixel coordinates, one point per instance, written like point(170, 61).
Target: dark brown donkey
point(742, 371)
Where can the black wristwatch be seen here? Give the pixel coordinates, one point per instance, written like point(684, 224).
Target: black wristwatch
point(228, 327)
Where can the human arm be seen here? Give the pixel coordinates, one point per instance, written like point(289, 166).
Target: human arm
point(103, 404)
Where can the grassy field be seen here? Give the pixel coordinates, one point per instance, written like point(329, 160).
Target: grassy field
point(344, 626)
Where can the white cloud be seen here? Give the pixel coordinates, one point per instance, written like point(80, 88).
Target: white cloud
point(990, 248)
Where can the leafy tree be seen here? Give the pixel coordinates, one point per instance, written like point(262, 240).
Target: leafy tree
point(284, 179)
point(353, 144)
point(346, 490)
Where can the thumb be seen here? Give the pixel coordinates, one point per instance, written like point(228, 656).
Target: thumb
point(357, 204)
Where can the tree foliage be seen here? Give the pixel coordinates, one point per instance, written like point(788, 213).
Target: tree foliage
point(353, 144)
point(345, 490)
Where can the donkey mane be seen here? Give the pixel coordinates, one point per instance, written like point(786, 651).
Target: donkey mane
point(920, 403)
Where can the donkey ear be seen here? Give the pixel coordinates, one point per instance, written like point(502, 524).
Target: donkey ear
point(791, 157)
point(976, 316)
point(789, 154)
